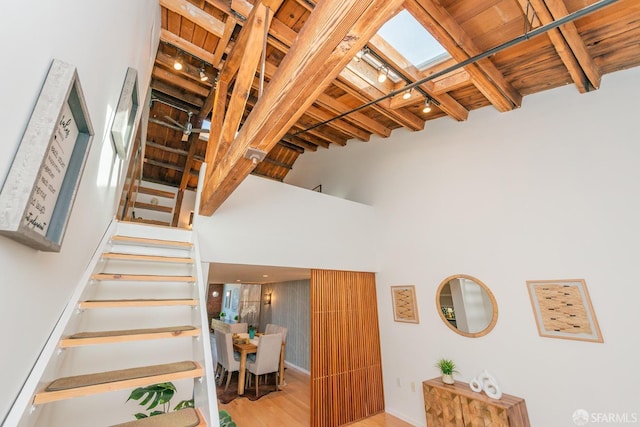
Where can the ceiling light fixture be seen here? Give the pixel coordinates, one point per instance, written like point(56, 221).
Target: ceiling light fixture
point(383, 73)
point(407, 94)
point(427, 106)
point(178, 64)
point(203, 76)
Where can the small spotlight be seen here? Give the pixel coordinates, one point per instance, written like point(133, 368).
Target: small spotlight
point(427, 106)
point(178, 64)
point(383, 73)
point(203, 76)
point(407, 94)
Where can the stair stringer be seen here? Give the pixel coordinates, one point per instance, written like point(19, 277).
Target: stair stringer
point(54, 362)
point(22, 411)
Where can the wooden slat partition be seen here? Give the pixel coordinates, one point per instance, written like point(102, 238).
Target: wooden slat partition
point(346, 368)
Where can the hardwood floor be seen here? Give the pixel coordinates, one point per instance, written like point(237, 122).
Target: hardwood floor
point(290, 407)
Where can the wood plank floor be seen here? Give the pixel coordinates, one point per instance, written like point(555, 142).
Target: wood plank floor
point(290, 407)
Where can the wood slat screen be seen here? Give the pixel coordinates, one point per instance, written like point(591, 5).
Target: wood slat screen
point(346, 368)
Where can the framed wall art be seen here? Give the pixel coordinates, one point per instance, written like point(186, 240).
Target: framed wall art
point(39, 191)
point(563, 309)
point(405, 308)
point(125, 118)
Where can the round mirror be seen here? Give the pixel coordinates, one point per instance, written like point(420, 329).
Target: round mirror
point(466, 305)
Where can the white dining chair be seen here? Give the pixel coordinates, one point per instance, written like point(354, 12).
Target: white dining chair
point(277, 329)
point(237, 328)
point(267, 357)
point(226, 357)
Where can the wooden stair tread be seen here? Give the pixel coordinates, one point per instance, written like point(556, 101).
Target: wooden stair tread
point(151, 207)
point(104, 337)
point(147, 241)
point(115, 303)
point(101, 382)
point(153, 258)
point(150, 221)
point(188, 417)
point(154, 192)
point(142, 277)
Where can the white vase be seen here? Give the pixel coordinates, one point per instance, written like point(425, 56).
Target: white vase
point(448, 379)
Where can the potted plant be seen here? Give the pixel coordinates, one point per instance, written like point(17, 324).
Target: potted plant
point(158, 397)
point(225, 419)
point(447, 368)
point(222, 315)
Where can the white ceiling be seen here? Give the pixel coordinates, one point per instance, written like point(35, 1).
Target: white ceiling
point(242, 273)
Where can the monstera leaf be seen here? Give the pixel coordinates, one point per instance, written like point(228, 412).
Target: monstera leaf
point(153, 395)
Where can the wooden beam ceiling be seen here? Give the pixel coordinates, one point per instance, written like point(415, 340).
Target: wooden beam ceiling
point(332, 34)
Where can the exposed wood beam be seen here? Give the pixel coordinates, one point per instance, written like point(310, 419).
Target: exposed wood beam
point(394, 58)
point(284, 33)
point(569, 45)
point(277, 163)
point(341, 125)
point(359, 119)
point(250, 45)
point(172, 150)
point(401, 116)
point(299, 142)
point(229, 26)
point(290, 146)
point(189, 72)
point(486, 76)
point(176, 93)
point(169, 77)
point(331, 35)
point(167, 166)
point(167, 36)
point(196, 15)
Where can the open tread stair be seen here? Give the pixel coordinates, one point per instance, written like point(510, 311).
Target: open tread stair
point(102, 382)
point(142, 277)
point(150, 242)
point(119, 303)
point(189, 417)
point(148, 258)
point(106, 337)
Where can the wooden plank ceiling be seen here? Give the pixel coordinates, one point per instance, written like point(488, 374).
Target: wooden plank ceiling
point(281, 74)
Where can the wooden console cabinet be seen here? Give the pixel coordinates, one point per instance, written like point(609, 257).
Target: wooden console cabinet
point(457, 405)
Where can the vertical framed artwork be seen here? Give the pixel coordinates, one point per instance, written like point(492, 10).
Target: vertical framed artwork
point(405, 308)
point(125, 118)
point(39, 191)
point(563, 309)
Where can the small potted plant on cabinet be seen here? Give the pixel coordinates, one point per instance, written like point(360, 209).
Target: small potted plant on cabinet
point(447, 368)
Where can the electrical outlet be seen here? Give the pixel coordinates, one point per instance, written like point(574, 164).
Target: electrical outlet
point(398, 381)
point(413, 387)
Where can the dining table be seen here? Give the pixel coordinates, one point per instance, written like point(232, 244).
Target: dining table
point(244, 348)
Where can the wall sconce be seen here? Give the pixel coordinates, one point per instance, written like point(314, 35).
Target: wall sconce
point(267, 299)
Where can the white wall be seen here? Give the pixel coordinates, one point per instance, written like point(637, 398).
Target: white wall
point(101, 39)
point(548, 191)
point(269, 223)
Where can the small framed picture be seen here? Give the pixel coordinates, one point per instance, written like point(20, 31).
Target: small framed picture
point(125, 118)
point(38, 193)
point(405, 308)
point(563, 309)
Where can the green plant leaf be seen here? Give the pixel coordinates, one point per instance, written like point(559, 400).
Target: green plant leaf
point(184, 404)
point(154, 413)
point(140, 415)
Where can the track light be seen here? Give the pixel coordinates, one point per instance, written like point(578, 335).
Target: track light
point(383, 73)
point(203, 76)
point(178, 64)
point(359, 56)
point(407, 94)
point(427, 106)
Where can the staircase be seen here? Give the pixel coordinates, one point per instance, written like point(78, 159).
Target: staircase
point(137, 318)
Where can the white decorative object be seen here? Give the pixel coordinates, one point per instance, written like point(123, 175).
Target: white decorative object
point(487, 383)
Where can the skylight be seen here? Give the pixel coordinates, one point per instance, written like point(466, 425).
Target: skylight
point(410, 38)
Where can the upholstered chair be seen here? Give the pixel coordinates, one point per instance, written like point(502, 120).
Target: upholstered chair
point(267, 358)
